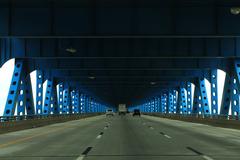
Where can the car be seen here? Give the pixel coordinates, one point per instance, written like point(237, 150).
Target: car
point(109, 112)
point(136, 112)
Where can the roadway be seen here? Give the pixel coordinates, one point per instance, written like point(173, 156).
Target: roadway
point(122, 138)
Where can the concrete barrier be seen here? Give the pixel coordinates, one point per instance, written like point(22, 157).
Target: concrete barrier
point(219, 121)
point(38, 121)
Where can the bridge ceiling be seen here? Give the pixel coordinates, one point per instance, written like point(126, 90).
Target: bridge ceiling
point(121, 49)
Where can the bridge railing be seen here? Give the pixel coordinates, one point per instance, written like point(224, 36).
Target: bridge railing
point(195, 116)
point(38, 117)
point(15, 123)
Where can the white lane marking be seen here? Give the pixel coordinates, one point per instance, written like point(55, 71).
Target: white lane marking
point(167, 136)
point(206, 157)
point(99, 136)
point(80, 157)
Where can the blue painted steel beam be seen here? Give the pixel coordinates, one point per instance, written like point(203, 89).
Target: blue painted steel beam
point(53, 104)
point(60, 98)
point(29, 97)
point(155, 104)
point(66, 100)
point(82, 103)
point(170, 102)
point(183, 100)
point(226, 97)
point(14, 89)
point(214, 92)
point(21, 98)
point(197, 103)
point(39, 92)
point(236, 86)
point(86, 103)
point(174, 101)
point(235, 98)
point(77, 102)
point(72, 101)
point(189, 97)
point(47, 98)
point(164, 103)
point(204, 97)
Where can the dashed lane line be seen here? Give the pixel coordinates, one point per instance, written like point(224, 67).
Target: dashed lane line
point(199, 153)
point(165, 135)
point(99, 136)
point(84, 154)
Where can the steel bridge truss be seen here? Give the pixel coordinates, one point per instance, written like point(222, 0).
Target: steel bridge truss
point(51, 100)
point(197, 98)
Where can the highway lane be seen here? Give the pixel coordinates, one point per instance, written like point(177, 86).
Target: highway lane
point(122, 138)
point(59, 141)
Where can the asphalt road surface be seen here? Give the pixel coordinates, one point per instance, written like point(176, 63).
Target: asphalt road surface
point(122, 138)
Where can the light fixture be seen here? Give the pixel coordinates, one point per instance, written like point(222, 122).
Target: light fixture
point(235, 10)
point(91, 77)
point(153, 83)
point(71, 50)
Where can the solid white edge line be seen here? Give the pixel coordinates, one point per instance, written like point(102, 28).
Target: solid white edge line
point(206, 157)
point(80, 157)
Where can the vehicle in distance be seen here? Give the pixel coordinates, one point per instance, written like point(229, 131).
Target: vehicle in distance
point(136, 112)
point(122, 109)
point(109, 112)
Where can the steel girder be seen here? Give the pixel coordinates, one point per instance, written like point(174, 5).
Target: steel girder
point(183, 100)
point(170, 102)
point(204, 97)
point(214, 92)
point(225, 105)
point(14, 90)
point(82, 104)
point(235, 89)
point(47, 98)
point(197, 103)
point(66, 100)
point(54, 101)
point(164, 103)
point(30, 108)
point(235, 103)
point(203, 103)
point(39, 92)
point(21, 98)
point(60, 97)
point(189, 98)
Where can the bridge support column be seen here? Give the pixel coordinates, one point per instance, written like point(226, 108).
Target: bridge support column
point(204, 97)
point(226, 97)
point(214, 92)
point(47, 98)
point(39, 92)
point(189, 98)
point(14, 89)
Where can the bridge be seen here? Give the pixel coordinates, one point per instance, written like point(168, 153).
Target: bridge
point(64, 63)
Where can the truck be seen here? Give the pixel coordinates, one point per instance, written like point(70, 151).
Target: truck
point(122, 109)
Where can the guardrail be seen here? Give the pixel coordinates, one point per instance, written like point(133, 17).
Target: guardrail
point(218, 120)
point(196, 116)
point(14, 123)
point(34, 117)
